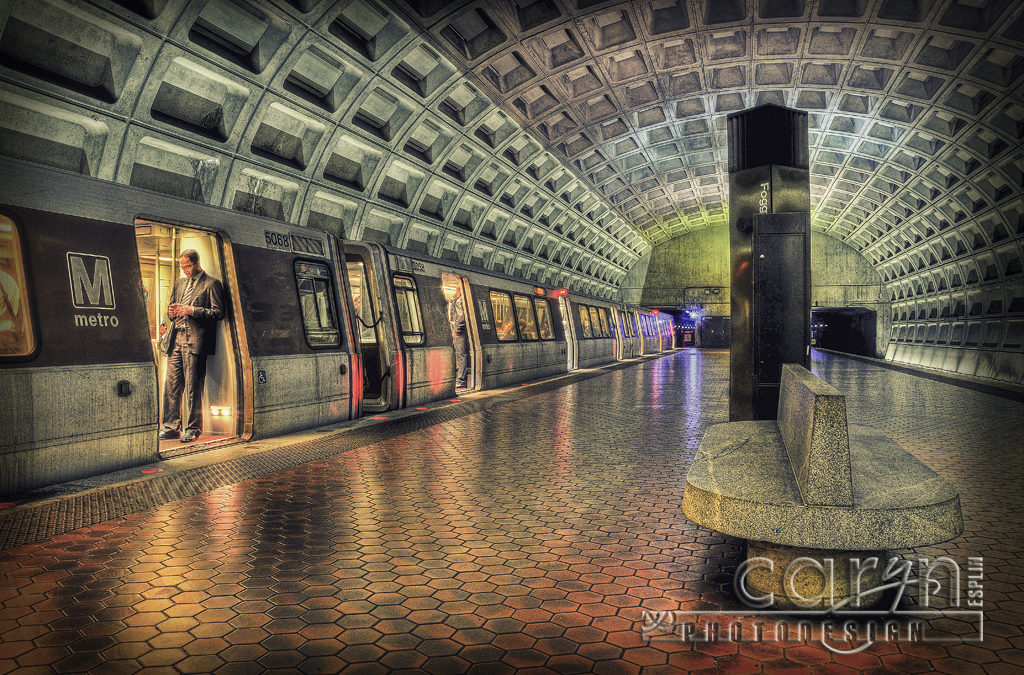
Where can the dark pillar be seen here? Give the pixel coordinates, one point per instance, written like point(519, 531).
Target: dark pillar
point(769, 248)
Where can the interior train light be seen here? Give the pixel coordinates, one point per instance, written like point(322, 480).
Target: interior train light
point(220, 411)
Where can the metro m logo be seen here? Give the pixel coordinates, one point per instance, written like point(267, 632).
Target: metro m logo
point(90, 290)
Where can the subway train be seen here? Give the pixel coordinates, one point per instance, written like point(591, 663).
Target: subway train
point(316, 330)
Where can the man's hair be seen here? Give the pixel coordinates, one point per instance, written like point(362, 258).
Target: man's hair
point(191, 254)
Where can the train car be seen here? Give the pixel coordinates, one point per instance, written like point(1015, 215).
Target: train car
point(666, 331)
point(650, 339)
point(405, 336)
point(92, 265)
point(594, 341)
point(633, 340)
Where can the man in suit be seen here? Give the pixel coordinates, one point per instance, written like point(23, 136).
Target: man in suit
point(197, 304)
point(460, 337)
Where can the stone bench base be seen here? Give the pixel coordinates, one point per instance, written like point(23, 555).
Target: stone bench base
point(742, 484)
point(810, 486)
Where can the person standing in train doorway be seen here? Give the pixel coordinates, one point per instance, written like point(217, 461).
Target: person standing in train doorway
point(460, 336)
point(196, 305)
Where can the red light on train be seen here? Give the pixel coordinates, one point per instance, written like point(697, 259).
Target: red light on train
point(559, 293)
point(537, 290)
point(655, 311)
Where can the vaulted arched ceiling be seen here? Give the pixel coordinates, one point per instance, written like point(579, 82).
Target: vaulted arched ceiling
point(558, 140)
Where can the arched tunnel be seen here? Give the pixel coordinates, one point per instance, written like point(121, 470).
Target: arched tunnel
point(575, 143)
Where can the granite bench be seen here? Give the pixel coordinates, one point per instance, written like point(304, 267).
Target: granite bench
point(810, 486)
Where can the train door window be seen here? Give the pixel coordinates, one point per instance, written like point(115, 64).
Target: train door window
point(409, 317)
point(370, 342)
point(160, 246)
point(16, 336)
point(359, 286)
point(318, 317)
point(547, 331)
point(569, 332)
point(605, 326)
point(584, 320)
point(504, 317)
point(595, 323)
point(525, 317)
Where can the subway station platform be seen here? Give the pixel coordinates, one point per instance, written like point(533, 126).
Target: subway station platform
point(534, 529)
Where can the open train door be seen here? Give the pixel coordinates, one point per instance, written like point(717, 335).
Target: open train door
point(225, 415)
point(450, 280)
point(379, 357)
point(568, 326)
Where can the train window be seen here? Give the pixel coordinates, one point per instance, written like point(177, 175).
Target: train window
point(544, 319)
point(525, 317)
point(16, 336)
point(605, 326)
point(318, 316)
point(585, 320)
point(595, 323)
point(358, 284)
point(504, 317)
point(409, 316)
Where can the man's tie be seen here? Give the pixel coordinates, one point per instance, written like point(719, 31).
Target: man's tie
point(186, 298)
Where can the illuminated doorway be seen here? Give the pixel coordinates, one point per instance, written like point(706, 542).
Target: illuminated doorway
point(160, 245)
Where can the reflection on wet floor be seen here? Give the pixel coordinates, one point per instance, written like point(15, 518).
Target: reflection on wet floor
point(544, 532)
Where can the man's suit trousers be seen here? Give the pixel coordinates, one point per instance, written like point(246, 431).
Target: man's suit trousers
point(186, 376)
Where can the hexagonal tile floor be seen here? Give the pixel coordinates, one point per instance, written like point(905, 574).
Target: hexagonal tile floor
point(540, 535)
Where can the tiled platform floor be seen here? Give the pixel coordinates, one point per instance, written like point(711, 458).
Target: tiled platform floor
point(526, 536)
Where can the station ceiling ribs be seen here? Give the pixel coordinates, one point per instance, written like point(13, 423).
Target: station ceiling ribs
point(557, 140)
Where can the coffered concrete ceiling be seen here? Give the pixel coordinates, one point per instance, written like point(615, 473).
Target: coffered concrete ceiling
point(558, 140)
point(914, 106)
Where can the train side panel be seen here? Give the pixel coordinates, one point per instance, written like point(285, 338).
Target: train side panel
point(424, 331)
point(514, 352)
point(83, 401)
point(300, 369)
point(596, 345)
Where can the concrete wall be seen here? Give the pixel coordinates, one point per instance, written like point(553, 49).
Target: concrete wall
point(682, 269)
point(631, 290)
point(842, 277)
point(687, 271)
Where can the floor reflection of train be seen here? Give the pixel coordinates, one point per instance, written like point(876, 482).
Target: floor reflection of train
point(316, 330)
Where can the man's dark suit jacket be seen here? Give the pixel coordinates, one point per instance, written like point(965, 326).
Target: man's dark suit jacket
point(200, 327)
